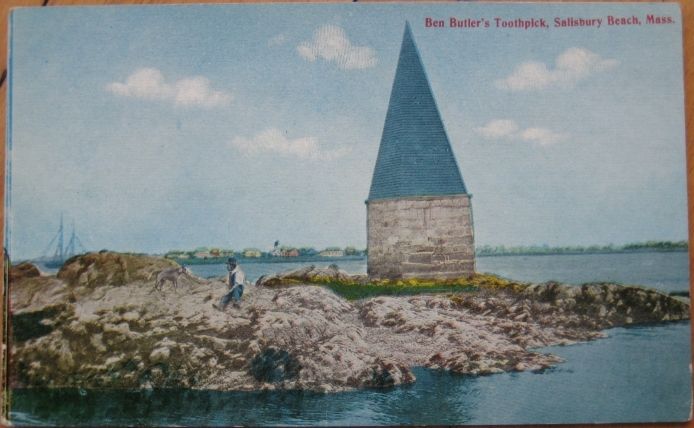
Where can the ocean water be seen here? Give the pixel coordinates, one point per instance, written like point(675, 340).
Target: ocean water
point(254, 271)
point(637, 374)
point(666, 271)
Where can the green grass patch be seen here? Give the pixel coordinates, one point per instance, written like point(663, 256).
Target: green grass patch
point(359, 291)
point(358, 287)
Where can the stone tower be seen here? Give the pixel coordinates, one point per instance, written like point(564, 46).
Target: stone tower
point(419, 216)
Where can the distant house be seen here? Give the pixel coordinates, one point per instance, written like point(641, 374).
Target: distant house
point(283, 251)
point(332, 252)
point(289, 252)
point(200, 253)
point(251, 253)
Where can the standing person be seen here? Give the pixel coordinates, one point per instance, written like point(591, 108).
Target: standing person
point(236, 280)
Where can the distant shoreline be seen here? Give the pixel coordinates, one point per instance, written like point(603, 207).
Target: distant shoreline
point(309, 259)
point(578, 253)
point(305, 259)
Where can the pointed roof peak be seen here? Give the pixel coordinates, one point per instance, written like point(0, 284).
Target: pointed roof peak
point(407, 36)
point(415, 157)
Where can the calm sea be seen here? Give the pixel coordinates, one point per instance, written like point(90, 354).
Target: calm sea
point(638, 374)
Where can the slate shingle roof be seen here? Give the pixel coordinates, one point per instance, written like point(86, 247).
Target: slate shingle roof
point(415, 156)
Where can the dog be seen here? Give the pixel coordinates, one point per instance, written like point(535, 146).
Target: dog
point(170, 274)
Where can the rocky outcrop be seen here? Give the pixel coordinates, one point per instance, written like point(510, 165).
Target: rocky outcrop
point(23, 270)
point(89, 328)
point(603, 305)
point(108, 268)
point(101, 323)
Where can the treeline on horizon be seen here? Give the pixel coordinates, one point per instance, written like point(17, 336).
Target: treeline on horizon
point(501, 250)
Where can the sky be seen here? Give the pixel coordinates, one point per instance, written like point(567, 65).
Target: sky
point(171, 127)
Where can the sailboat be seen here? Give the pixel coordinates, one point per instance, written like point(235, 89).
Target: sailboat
point(62, 251)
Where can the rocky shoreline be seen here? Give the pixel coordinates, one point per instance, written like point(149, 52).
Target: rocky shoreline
point(99, 323)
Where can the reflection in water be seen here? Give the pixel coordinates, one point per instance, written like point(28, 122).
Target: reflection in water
point(433, 398)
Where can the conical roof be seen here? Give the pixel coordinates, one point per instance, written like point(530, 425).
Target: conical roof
point(415, 157)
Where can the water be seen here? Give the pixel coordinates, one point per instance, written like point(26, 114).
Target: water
point(666, 271)
point(639, 374)
point(253, 271)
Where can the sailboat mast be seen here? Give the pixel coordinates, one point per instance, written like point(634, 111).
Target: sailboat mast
point(60, 239)
point(70, 249)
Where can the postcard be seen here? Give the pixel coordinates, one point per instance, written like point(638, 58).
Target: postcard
point(347, 214)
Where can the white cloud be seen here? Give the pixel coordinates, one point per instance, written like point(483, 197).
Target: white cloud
point(509, 129)
point(330, 43)
point(572, 65)
point(144, 83)
point(541, 136)
point(196, 91)
point(149, 83)
point(273, 140)
point(499, 128)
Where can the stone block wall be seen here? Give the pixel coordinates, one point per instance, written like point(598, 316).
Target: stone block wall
point(420, 237)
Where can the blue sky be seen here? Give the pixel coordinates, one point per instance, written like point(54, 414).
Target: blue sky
point(165, 127)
